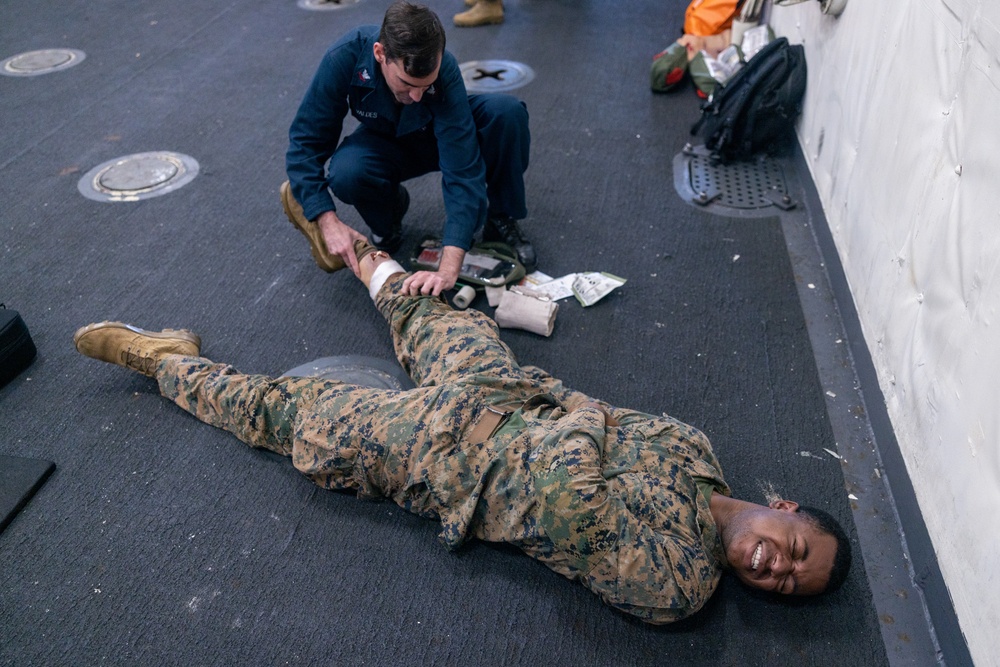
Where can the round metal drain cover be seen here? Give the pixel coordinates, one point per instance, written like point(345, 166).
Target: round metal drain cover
point(326, 5)
point(138, 176)
point(356, 369)
point(34, 63)
point(741, 189)
point(495, 76)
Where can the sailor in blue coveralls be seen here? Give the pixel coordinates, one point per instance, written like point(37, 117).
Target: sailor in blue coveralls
point(415, 117)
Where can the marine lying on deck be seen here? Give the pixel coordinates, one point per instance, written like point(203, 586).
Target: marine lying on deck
point(631, 505)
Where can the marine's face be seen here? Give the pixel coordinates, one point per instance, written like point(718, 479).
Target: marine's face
point(777, 550)
point(405, 88)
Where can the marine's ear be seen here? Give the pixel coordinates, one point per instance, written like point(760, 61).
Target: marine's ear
point(784, 505)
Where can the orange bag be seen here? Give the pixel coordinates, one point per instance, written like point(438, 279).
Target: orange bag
point(709, 17)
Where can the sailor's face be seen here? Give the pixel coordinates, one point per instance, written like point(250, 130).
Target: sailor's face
point(778, 550)
point(405, 88)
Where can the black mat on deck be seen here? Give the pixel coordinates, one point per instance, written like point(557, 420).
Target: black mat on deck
point(161, 541)
point(20, 478)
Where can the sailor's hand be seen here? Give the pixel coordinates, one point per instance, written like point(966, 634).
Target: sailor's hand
point(428, 282)
point(340, 238)
point(435, 282)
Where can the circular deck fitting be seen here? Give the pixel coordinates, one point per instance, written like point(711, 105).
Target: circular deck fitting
point(326, 5)
point(139, 176)
point(495, 76)
point(34, 63)
point(739, 189)
point(356, 369)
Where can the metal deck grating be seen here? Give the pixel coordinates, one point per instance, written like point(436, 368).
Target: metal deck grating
point(738, 189)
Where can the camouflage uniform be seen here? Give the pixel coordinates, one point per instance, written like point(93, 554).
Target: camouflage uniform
point(615, 508)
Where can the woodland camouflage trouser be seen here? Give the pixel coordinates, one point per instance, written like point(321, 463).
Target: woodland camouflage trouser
point(615, 508)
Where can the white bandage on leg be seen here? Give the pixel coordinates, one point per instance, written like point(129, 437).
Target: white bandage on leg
point(381, 274)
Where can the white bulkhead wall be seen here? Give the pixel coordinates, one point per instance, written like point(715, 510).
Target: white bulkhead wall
point(901, 130)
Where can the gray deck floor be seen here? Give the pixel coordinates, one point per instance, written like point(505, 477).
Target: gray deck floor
point(159, 540)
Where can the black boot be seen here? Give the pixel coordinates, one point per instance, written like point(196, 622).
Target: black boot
point(390, 242)
point(506, 231)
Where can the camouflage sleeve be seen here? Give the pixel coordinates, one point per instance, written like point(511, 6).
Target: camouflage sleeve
point(660, 569)
point(635, 541)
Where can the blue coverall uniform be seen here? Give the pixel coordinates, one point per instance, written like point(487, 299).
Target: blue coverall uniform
point(480, 143)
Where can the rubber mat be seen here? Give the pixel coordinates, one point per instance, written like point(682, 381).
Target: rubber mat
point(20, 478)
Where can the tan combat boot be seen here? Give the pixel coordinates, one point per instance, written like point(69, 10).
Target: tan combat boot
point(326, 260)
point(132, 347)
point(481, 13)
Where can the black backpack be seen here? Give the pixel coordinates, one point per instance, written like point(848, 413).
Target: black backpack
point(755, 111)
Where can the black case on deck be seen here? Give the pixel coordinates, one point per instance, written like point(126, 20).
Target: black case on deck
point(17, 350)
